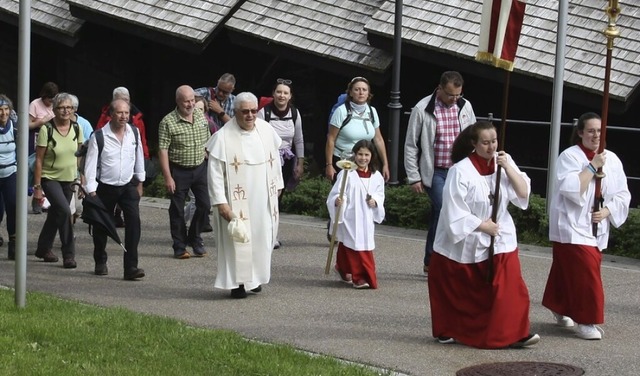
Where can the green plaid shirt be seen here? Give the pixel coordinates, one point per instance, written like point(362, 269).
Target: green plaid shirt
point(183, 140)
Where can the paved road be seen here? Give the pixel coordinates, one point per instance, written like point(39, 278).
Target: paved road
point(389, 327)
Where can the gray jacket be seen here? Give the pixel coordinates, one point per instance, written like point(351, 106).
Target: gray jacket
point(421, 133)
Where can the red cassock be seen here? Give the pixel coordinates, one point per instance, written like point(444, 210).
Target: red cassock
point(466, 307)
point(574, 287)
point(360, 264)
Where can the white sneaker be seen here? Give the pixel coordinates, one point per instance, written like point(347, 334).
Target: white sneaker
point(589, 331)
point(361, 284)
point(563, 321)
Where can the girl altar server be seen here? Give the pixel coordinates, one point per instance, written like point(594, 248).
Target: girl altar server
point(467, 305)
point(362, 204)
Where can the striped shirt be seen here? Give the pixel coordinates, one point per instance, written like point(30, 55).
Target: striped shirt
point(184, 140)
point(447, 129)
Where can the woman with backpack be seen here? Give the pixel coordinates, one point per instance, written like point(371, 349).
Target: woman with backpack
point(285, 119)
point(56, 169)
point(351, 122)
point(8, 170)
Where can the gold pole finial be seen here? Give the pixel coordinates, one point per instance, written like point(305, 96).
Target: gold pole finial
point(611, 32)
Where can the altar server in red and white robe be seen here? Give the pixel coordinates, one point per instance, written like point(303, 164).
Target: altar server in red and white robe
point(574, 289)
point(465, 307)
point(361, 205)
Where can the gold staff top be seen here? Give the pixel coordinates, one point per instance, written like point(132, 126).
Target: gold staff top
point(611, 32)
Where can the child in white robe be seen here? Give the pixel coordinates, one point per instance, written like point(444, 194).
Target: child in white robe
point(361, 204)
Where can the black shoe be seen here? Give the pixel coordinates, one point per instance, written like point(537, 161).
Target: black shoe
point(207, 228)
point(46, 255)
point(69, 263)
point(181, 255)
point(134, 274)
point(257, 289)
point(11, 252)
point(239, 293)
point(198, 250)
point(101, 269)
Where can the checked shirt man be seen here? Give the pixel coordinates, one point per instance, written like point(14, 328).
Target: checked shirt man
point(182, 134)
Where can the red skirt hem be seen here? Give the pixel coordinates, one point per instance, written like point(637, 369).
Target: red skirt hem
point(466, 307)
point(360, 264)
point(574, 287)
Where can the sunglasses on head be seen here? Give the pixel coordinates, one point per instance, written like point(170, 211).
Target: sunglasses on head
point(284, 81)
point(358, 79)
point(252, 111)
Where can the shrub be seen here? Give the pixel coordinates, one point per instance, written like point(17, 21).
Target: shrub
point(309, 198)
point(532, 225)
point(405, 208)
point(625, 241)
point(156, 188)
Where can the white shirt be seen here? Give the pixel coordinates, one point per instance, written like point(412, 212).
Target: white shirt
point(119, 162)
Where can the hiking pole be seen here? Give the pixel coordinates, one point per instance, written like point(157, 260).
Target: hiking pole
point(346, 165)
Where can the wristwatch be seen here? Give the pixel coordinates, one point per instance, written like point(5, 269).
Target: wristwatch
point(37, 186)
point(221, 115)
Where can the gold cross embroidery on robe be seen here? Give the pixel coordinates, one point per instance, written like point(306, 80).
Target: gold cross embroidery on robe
point(236, 163)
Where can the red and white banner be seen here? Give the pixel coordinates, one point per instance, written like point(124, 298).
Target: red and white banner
point(500, 32)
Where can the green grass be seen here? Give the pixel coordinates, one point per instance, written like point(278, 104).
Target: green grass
point(52, 336)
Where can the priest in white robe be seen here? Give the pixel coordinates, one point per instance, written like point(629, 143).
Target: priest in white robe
point(244, 181)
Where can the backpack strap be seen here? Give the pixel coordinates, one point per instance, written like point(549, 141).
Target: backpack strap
point(347, 118)
point(267, 112)
point(100, 143)
point(294, 113)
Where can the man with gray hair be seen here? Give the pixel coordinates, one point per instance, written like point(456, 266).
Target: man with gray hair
point(135, 116)
point(245, 179)
point(221, 99)
point(135, 119)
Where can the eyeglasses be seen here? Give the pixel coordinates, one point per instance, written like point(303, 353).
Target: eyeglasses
point(284, 81)
point(64, 108)
point(252, 111)
point(452, 96)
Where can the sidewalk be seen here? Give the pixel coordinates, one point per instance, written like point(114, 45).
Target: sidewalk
point(389, 327)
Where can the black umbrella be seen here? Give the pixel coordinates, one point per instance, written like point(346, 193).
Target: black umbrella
point(95, 214)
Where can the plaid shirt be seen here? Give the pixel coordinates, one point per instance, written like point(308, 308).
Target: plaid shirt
point(184, 140)
point(210, 92)
point(447, 129)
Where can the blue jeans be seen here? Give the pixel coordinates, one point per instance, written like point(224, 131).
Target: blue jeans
point(435, 194)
